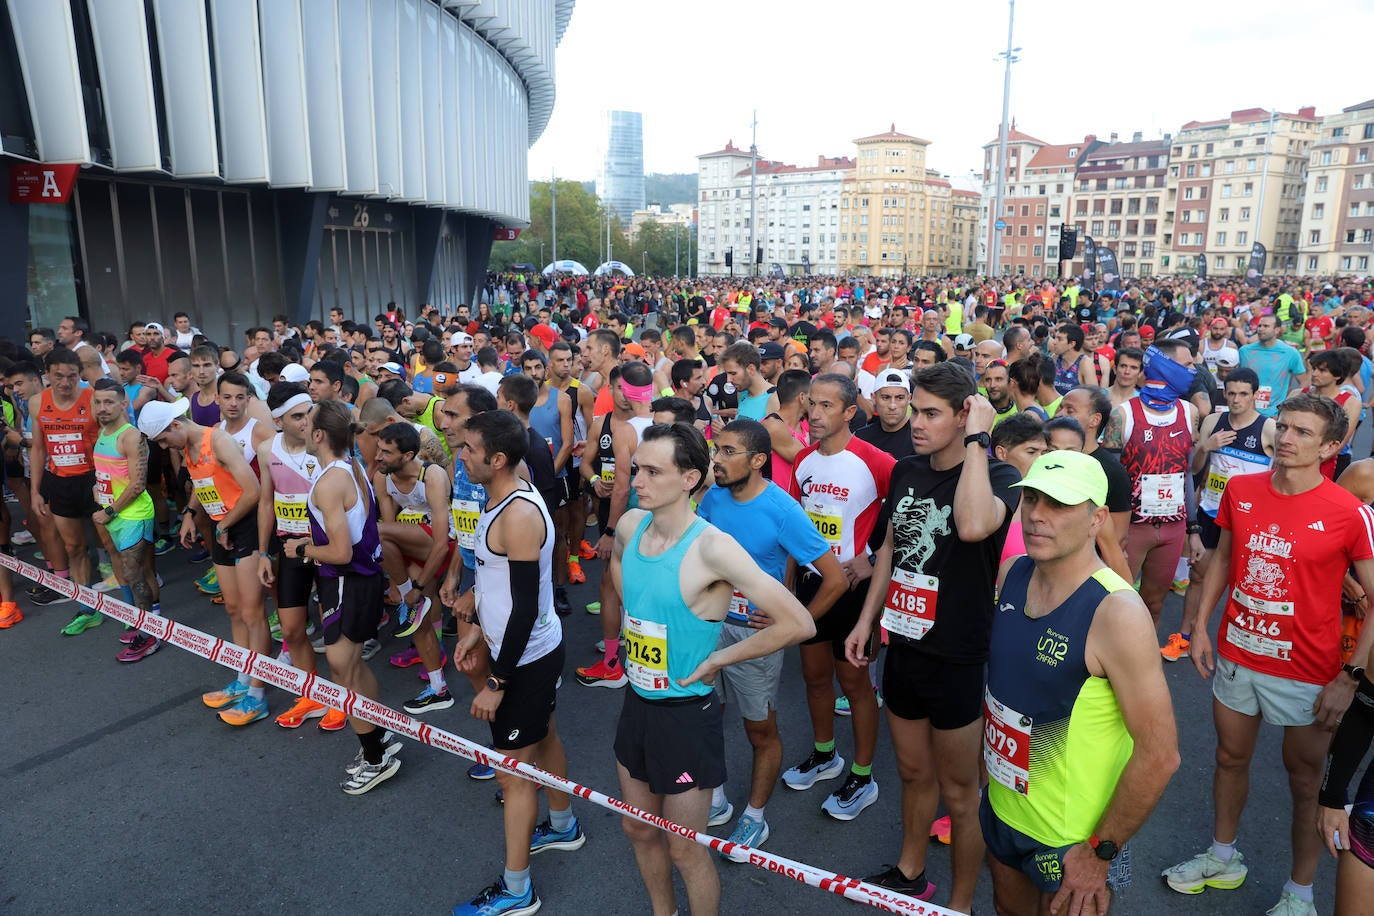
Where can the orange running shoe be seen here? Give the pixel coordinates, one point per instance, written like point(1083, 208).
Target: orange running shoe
point(305, 708)
point(575, 574)
point(939, 830)
point(333, 720)
point(1175, 648)
point(10, 614)
point(603, 675)
point(586, 551)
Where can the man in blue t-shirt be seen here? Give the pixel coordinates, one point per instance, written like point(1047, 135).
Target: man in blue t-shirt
point(773, 528)
point(1278, 365)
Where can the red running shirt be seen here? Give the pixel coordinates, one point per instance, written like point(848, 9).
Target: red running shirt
point(843, 493)
point(1288, 557)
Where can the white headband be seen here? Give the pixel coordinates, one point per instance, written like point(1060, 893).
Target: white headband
point(295, 401)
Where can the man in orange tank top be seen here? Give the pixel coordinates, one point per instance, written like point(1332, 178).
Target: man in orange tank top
point(223, 483)
point(63, 474)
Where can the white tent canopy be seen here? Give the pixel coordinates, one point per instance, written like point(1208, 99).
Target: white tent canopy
point(609, 266)
point(565, 267)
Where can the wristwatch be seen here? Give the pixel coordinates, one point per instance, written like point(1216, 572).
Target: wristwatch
point(110, 512)
point(1105, 850)
point(983, 440)
point(1355, 671)
point(495, 683)
point(300, 551)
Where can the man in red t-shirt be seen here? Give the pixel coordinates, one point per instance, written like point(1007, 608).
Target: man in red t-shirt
point(1288, 536)
point(1319, 328)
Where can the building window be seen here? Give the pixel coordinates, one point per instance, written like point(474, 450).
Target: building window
point(1147, 249)
point(1312, 263)
point(1225, 191)
point(1318, 211)
point(1326, 157)
point(1242, 238)
point(1221, 238)
point(1321, 184)
point(1191, 171)
point(1244, 214)
point(1248, 190)
point(1314, 237)
point(1097, 227)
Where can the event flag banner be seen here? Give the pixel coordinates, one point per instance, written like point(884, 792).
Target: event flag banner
point(1089, 261)
point(1254, 274)
point(1202, 267)
point(1111, 275)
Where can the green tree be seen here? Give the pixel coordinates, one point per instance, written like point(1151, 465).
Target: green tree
point(581, 230)
point(653, 248)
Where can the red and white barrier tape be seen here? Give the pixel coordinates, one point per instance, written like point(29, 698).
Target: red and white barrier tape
point(303, 683)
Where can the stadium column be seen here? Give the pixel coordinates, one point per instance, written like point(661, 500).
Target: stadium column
point(429, 224)
point(476, 255)
point(302, 216)
point(14, 270)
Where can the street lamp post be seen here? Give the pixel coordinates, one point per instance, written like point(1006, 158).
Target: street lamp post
point(1009, 55)
point(642, 269)
point(541, 255)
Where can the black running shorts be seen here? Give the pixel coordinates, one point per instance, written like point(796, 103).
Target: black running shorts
point(243, 542)
point(531, 694)
point(351, 607)
point(69, 497)
point(672, 745)
point(917, 685)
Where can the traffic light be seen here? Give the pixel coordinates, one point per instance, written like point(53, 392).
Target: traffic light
point(758, 255)
point(730, 257)
point(1068, 243)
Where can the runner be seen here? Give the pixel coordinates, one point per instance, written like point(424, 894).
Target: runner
point(1287, 537)
point(124, 519)
point(771, 527)
point(678, 575)
point(223, 484)
point(286, 473)
point(787, 426)
point(62, 465)
point(1090, 408)
point(514, 550)
point(1126, 375)
point(945, 522)
point(840, 481)
point(1353, 833)
point(741, 364)
point(1072, 367)
point(344, 543)
point(1278, 365)
point(552, 417)
point(1080, 738)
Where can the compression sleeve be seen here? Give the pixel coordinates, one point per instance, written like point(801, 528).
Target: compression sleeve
point(524, 610)
point(1348, 747)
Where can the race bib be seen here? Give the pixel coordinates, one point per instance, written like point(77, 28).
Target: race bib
point(739, 609)
point(1261, 627)
point(208, 495)
point(66, 450)
point(1006, 744)
point(607, 471)
point(1216, 483)
point(412, 517)
point(830, 524)
point(646, 654)
point(104, 489)
point(1161, 495)
point(909, 609)
point(1263, 397)
point(291, 514)
point(465, 515)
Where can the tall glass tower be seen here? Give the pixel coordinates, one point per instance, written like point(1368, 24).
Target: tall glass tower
point(621, 182)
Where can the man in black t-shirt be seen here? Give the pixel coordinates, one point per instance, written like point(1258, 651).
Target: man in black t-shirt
point(1091, 407)
point(889, 429)
point(945, 519)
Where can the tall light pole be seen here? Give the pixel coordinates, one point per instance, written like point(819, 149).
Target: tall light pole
point(642, 269)
point(553, 210)
point(677, 234)
point(753, 193)
point(1264, 179)
point(1009, 55)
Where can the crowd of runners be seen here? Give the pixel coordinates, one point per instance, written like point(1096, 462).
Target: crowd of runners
point(964, 500)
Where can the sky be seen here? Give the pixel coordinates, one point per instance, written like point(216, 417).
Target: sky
point(821, 74)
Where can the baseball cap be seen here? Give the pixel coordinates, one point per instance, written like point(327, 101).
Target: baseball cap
point(1071, 478)
point(457, 340)
point(156, 416)
point(1220, 323)
point(778, 323)
point(295, 372)
point(771, 350)
point(1228, 357)
point(892, 378)
point(547, 335)
point(963, 342)
point(154, 326)
point(1147, 332)
point(635, 349)
point(873, 311)
point(393, 368)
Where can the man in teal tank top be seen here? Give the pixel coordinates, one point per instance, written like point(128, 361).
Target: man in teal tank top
point(1079, 734)
point(676, 575)
point(124, 519)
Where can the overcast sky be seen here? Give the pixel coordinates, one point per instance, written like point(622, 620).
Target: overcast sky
point(697, 69)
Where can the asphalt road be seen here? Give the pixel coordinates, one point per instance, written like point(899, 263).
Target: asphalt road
point(123, 793)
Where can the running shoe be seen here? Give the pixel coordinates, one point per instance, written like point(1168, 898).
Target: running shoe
point(939, 830)
point(108, 584)
point(333, 721)
point(1205, 870)
point(163, 546)
point(720, 815)
point(561, 605)
point(246, 711)
point(318, 645)
point(481, 772)
point(21, 538)
point(1176, 647)
point(208, 584)
point(429, 700)
point(603, 675)
point(585, 551)
point(371, 648)
point(34, 589)
point(106, 570)
point(813, 769)
point(893, 879)
point(449, 627)
point(594, 608)
point(129, 635)
point(391, 746)
point(217, 600)
point(497, 900)
point(83, 622)
point(849, 800)
point(749, 832)
point(545, 837)
point(142, 646)
point(575, 574)
point(225, 696)
point(370, 775)
point(1180, 586)
point(303, 709)
point(878, 693)
point(600, 647)
point(274, 626)
point(10, 615)
point(1290, 904)
point(405, 658)
point(842, 705)
point(200, 554)
point(47, 596)
point(409, 618)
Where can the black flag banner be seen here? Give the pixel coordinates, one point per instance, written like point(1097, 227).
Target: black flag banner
point(1111, 275)
point(1202, 267)
point(1089, 261)
point(1254, 274)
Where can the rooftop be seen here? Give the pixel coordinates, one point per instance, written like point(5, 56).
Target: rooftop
point(892, 134)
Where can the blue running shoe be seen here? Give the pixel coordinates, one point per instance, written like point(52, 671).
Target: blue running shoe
point(813, 769)
point(244, 712)
point(226, 696)
point(720, 815)
point(200, 554)
point(545, 837)
point(497, 900)
point(481, 772)
point(857, 793)
point(748, 832)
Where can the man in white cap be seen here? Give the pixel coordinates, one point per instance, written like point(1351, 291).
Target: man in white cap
point(888, 427)
point(1079, 734)
point(225, 486)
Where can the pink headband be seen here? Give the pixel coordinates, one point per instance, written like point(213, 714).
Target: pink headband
point(637, 392)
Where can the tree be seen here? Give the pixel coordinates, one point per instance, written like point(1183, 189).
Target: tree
point(581, 230)
point(656, 241)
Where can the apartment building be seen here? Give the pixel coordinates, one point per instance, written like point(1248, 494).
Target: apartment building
point(1117, 195)
point(1337, 233)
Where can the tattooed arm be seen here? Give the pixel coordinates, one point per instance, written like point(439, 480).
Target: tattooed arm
point(134, 448)
point(1115, 436)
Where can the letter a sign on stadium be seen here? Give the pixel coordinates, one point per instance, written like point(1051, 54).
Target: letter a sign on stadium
point(33, 183)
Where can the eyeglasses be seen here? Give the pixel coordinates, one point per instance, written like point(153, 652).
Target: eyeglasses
point(729, 451)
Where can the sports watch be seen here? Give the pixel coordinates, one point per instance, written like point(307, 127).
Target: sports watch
point(983, 439)
point(1105, 850)
point(495, 683)
point(1355, 671)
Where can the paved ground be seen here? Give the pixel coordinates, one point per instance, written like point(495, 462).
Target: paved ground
point(122, 793)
